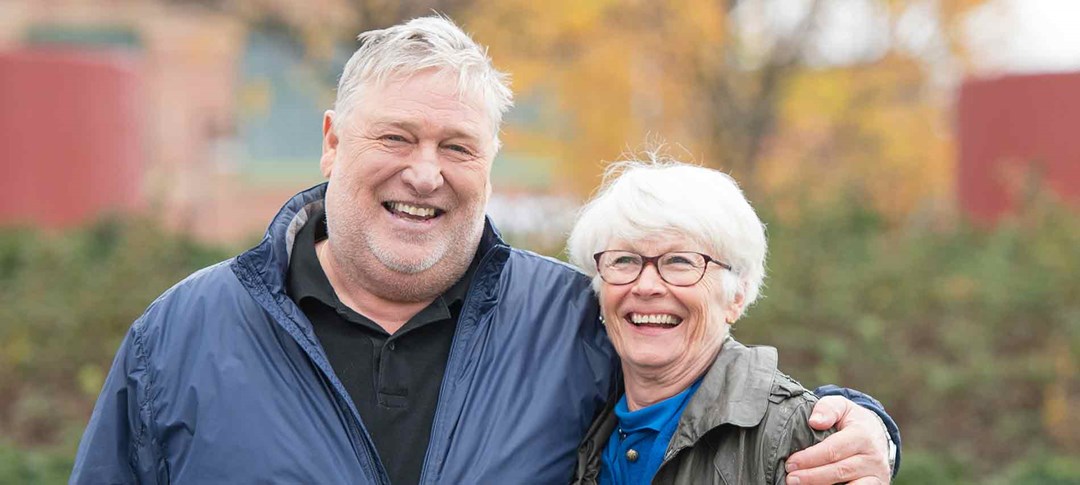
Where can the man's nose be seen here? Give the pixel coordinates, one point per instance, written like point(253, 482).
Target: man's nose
point(649, 282)
point(424, 173)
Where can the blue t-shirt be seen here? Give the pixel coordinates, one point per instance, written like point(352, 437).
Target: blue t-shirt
point(636, 448)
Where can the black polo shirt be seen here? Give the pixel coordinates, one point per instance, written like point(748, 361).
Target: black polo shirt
point(394, 380)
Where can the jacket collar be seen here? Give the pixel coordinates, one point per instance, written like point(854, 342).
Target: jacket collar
point(735, 391)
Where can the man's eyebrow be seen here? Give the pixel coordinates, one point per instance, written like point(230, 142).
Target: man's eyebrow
point(405, 125)
point(462, 133)
point(452, 132)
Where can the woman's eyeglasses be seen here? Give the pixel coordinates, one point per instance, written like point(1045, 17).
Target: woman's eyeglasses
point(678, 268)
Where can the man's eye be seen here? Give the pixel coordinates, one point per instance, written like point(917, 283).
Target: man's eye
point(460, 149)
point(394, 138)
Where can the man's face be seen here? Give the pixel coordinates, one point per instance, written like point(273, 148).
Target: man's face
point(409, 180)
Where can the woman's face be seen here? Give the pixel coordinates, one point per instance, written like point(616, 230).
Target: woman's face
point(661, 329)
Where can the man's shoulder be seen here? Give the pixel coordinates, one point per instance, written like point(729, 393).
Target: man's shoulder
point(206, 282)
point(210, 294)
point(545, 265)
point(546, 278)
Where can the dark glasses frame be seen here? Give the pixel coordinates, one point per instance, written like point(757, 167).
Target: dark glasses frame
point(655, 261)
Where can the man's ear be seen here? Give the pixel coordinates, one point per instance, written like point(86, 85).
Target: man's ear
point(734, 310)
point(329, 144)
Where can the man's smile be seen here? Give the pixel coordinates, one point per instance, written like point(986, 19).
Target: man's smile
point(416, 212)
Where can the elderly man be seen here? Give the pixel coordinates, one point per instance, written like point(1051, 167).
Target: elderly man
point(382, 332)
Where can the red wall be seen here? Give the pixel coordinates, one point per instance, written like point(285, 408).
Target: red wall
point(1012, 128)
point(70, 134)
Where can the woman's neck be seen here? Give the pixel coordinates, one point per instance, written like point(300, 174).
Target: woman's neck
point(648, 386)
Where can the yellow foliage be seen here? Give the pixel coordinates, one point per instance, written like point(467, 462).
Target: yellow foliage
point(873, 128)
point(90, 378)
point(616, 72)
point(607, 67)
point(1058, 416)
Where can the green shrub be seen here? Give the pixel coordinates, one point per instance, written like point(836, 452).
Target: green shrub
point(969, 335)
point(921, 468)
point(34, 467)
point(1044, 469)
point(66, 301)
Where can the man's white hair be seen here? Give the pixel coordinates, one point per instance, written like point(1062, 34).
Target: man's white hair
point(420, 44)
point(664, 197)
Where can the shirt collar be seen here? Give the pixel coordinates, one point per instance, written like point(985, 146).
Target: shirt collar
point(652, 417)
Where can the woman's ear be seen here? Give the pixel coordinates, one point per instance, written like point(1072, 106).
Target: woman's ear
point(734, 310)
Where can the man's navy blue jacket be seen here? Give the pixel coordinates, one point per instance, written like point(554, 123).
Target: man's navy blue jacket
point(222, 380)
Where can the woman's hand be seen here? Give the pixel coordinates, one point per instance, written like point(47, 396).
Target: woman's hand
point(856, 453)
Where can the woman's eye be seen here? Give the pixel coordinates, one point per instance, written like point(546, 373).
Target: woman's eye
point(676, 260)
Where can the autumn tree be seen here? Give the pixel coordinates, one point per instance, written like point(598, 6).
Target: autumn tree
point(742, 85)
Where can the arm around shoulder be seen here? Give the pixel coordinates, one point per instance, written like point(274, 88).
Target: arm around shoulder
point(867, 401)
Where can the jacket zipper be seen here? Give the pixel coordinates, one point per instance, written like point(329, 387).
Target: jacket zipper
point(443, 397)
point(366, 446)
point(369, 447)
point(365, 449)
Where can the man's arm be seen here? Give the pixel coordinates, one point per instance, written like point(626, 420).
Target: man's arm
point(114, 446)
point(859, 452)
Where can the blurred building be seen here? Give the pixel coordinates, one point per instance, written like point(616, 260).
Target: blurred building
point(67, 119)
point(1018, 134)
point(151, 95)
point(207, 117)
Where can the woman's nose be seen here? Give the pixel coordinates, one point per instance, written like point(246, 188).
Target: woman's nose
point(649, 282)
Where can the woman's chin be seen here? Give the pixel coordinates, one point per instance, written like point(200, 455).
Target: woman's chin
point(648, 360)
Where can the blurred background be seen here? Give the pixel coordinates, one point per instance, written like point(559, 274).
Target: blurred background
point(917, 163)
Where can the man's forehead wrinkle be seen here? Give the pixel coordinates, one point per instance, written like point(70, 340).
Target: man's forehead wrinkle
point(399, 77)
point(393, 83)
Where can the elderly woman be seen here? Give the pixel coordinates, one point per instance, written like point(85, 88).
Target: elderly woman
point(677, 256)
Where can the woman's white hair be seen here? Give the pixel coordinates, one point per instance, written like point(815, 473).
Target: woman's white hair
point(420, 44)
point(664, 197)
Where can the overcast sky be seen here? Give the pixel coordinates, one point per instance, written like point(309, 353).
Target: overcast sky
point(1002, 35)
point(1027, 35)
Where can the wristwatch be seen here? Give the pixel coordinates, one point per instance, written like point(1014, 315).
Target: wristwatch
point(891, 450)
